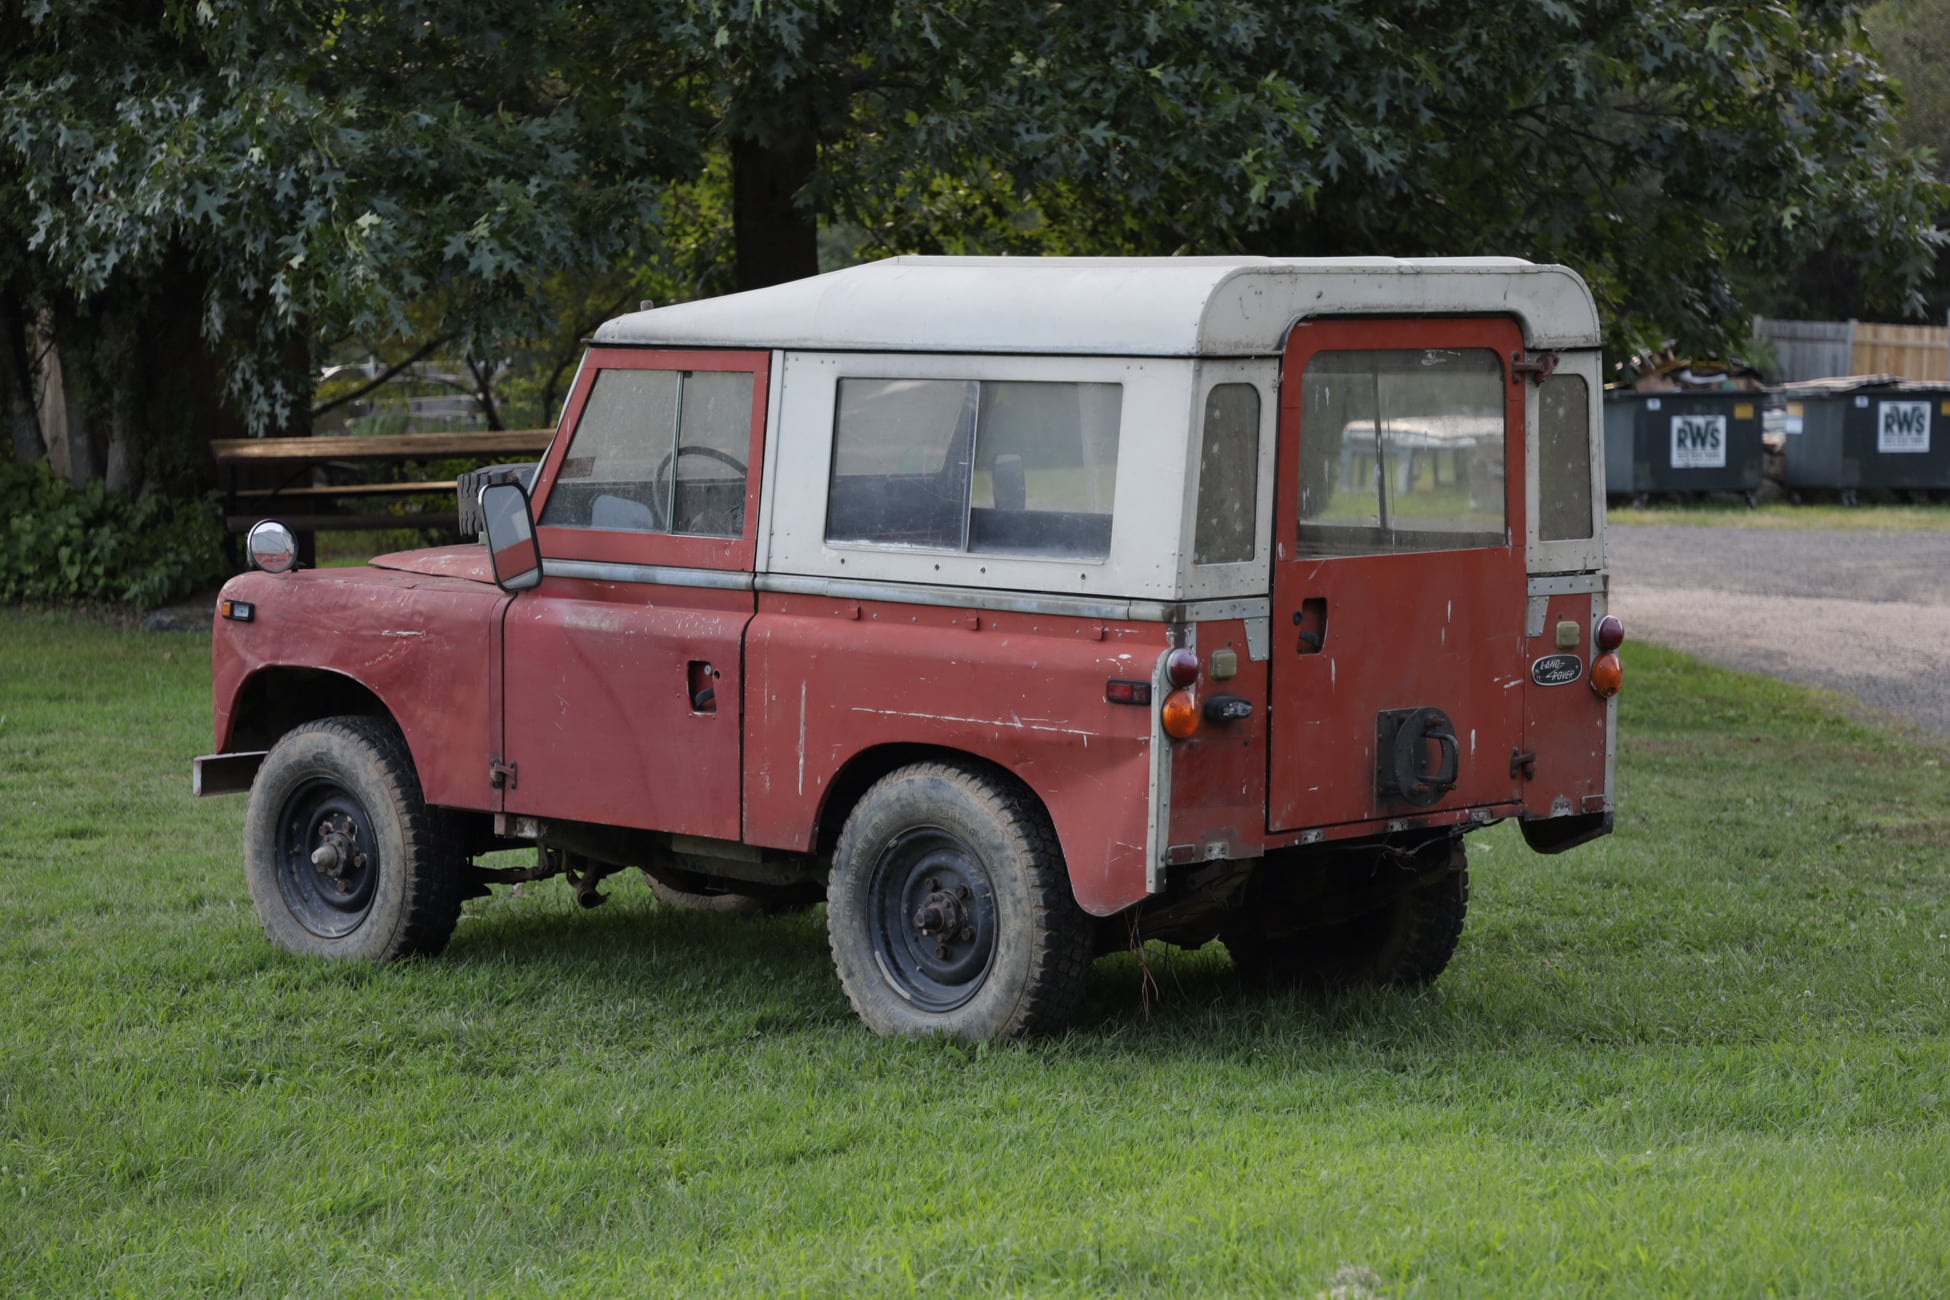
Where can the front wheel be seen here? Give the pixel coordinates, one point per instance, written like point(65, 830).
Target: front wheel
point(343, 856)
point(949, 909)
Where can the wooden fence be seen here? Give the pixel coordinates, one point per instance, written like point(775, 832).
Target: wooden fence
point(1820, 349)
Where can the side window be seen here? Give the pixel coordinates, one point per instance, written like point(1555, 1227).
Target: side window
point(992, 467)
point(1045, 469)
point(1228, 476)
point(1401, 450)
point(901, 450)
point(1564, 459)
point(658, 451)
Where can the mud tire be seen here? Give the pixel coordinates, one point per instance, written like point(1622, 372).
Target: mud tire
point(916, 838)
point(350, 782)
point(1405, 943)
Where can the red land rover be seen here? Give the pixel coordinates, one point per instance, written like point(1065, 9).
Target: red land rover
point(1017, 608)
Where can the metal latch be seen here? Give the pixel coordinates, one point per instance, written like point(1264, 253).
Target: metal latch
point(1538, 367)
point(501, 776)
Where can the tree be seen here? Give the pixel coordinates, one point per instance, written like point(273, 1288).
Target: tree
point(1914, 39)
point(1669, 151)
point(207, 188)
point(275, 172)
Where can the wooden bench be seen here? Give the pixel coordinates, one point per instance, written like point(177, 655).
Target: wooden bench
point(268, 478)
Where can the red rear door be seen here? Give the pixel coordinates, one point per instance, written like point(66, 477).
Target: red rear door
point(1398, 575)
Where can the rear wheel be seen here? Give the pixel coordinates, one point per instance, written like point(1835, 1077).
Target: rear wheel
point(1406, 941)
point(949, 909)
point(343, 856)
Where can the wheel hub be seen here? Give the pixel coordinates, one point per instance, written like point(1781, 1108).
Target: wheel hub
point(933, 919)
point(328, 859)
point(338, 857)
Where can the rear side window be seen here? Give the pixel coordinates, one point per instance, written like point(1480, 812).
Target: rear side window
point(1564, 459)
point(1228, 476)
point(658, 451)
point(991, 467)
point(1401, 450)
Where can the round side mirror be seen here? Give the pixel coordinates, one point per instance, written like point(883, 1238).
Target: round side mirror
point(516, 559)
point(272, 547)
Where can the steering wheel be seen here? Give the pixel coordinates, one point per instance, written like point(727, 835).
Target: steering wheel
point(660, 482)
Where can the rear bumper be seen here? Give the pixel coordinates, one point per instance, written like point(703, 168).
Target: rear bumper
point(1556, 834)
point(225, 773)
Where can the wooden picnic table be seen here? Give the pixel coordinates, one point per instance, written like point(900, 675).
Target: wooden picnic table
point(264, 476)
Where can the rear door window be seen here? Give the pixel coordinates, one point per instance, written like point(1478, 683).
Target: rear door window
point(1402, 450)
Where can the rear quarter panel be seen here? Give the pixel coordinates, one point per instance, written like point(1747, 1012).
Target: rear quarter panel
point(828, 680)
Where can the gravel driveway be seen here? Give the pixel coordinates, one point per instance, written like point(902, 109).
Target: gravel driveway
point(1866, 614)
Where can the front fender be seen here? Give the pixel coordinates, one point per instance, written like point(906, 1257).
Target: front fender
point(329, 641)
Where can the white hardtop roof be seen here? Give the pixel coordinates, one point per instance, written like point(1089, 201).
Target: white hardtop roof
point(1117, 306)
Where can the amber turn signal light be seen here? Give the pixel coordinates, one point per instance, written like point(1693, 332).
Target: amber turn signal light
point(1180, 715)
point(1607, 675)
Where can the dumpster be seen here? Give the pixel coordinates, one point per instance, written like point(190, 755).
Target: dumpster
point(1867, 432)
point(1682, 442)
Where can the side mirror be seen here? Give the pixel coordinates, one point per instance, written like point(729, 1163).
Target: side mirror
point(512, 551)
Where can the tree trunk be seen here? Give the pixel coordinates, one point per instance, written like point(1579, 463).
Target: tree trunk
point(777, 237)
point(17, 405)
point(126, 435)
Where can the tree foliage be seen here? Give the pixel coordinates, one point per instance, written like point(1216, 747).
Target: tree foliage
point(297, 171)
point(1665, 149)
point(264, 174)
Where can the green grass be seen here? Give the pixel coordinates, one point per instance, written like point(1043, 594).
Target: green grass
point(1705, 1057)
point(1782, 514)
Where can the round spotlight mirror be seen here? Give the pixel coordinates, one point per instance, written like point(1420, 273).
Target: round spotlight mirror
point(271, 547)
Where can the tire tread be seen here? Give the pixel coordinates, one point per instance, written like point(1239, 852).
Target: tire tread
point(1060, 957)
point(430, 906)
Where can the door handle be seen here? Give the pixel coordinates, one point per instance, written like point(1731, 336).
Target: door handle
point(1311, 619)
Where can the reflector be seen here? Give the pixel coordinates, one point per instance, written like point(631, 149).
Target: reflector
point(1180, 715)
point(1607, 675)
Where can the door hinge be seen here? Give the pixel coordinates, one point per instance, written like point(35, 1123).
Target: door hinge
point(501, 776)
point(1538, 367)
point(1523, 763)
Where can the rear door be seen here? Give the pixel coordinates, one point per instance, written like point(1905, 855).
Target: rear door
point(1398, 574)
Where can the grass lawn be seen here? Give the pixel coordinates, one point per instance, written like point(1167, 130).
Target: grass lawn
point(1705, 1057)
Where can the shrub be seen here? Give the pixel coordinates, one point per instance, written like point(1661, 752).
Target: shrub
point(62, 544)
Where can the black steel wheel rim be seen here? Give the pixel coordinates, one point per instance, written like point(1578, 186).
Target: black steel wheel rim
point(327, 858)
point(931, 918)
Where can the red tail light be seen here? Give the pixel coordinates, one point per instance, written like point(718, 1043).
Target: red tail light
point(1610, 634)
point(1181, 668)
